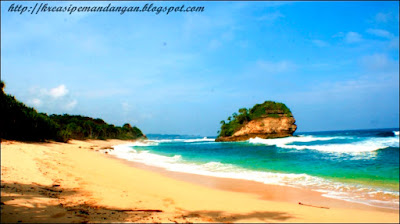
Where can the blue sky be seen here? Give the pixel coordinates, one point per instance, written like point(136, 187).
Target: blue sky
point(335, 64)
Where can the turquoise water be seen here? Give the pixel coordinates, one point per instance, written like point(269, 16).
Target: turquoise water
point(360, 166)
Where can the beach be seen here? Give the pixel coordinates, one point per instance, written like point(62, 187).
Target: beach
point(78, 182)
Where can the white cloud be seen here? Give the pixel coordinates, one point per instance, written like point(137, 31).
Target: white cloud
point(275, 67)
point(394, 43)
point(70, 105)
point(36, 102)
point(270, 17)
point(58, 91)
point(340, 34)
point(243, 43)
point(382, 17)
point(378, 62)
point(320, 43)
point(146, 116)
point(380, 33)
point(359, 88)
point(214, 44)
point(54, 100)
point(125, 106)
point(100, 93)
point(352, 37)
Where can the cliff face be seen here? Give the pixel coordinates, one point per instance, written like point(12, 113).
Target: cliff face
point(265, 127)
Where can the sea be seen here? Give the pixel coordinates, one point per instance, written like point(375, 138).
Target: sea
point(360, 166)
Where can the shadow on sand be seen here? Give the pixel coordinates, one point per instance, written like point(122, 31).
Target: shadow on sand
point(39, 203)
point(220, 216)
point(47, 204)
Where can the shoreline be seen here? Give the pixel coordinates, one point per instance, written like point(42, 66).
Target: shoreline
point(72, 182)
point(263, 191)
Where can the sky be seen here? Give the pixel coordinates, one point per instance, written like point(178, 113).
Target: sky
point(334, 64)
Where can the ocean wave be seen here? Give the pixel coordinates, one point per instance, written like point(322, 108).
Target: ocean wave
point(338, 148)
point(330, 188)
point(143, 156)
point(167, 140)
point(396, 133)
point(217, 169)
point(176, 163)
point(283, 141)
point(142, 143)
point(205, 139)
point(368, 145)
point(127, 148)
point(374, 198)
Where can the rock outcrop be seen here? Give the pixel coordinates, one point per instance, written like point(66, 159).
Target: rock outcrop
point(267, 120)
point(267, 127)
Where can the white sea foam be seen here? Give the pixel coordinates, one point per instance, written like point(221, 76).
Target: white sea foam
point(283, 141)
point(396, 133)
point(167, 140)
point(338, 148)
point(127, 149)
point(356, 193)
point(138, 144)
point(368, 145)
point(176, 163)
point(205, 139)
point(393, 202)
point(217, 169)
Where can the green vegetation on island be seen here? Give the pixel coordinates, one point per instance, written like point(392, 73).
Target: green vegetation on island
point(266, 109)
point(20, 122)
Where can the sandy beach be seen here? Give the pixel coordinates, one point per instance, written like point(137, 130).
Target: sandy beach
point(75, 182)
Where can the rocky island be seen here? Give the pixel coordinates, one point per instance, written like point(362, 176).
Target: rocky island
point(267, 120)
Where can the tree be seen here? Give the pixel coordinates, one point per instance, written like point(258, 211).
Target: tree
point(2, 85)
point(243, 110)
point(234, 115)
point(127, 125)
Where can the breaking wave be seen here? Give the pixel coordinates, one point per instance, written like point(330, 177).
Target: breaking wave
point(283, 141)
point(329, 188)
point(205, 139)
point(367, 145)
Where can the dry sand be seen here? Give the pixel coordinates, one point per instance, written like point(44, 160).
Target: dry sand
point(71, 182)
